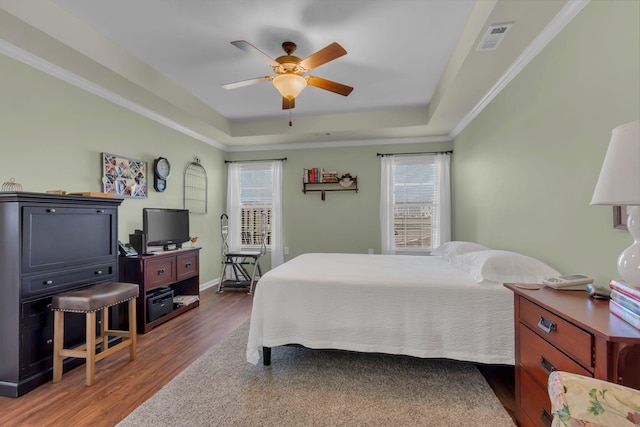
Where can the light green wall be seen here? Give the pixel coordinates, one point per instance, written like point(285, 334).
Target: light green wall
point(526, 167)
point(345, 222)
point(523, 171)
point(52, 135)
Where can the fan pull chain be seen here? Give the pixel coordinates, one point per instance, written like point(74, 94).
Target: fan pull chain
point(290, 118)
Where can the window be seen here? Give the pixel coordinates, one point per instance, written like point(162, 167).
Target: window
point(254, 196)
point(414, 196)
point(256, 202)
point(414, 203)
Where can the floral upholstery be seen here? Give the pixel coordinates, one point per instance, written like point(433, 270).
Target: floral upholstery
point(577, 400)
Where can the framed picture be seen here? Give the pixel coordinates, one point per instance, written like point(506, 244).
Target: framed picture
point(124, 177)
point(620, 217)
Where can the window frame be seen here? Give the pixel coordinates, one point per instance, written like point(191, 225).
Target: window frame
point(430, 205)
point(255, 205)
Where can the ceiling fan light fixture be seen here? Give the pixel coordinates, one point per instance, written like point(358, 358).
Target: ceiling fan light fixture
point(289, 79)
point(289, 85)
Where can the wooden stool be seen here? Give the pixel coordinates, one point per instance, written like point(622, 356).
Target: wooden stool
point(89, 301)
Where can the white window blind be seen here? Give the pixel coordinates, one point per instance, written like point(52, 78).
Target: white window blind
point(416, 195)
point(256, 199)
point(415, 203)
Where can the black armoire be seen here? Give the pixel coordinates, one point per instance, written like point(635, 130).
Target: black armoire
point(48, 244)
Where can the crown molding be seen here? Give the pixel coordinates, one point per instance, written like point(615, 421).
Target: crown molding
point(34, 61)
point(340, 144)
point(566, 14)
point(562, 18)
point(47, 67)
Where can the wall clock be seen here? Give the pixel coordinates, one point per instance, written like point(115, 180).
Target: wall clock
point(161, 172)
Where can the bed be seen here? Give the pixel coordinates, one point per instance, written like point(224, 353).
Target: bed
point(449, 305)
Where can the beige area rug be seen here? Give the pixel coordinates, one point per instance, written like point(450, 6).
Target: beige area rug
point(306, 387)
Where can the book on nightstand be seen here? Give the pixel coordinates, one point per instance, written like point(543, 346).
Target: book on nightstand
point(625, 301)
point(627, 315)
point(625, 288)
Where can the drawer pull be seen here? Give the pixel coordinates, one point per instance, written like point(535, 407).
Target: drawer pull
point(99, 272)
point(51, 210)
point(161, 271)
point(546, 325)
point(49, 341)
point(99, 210)
point(546, 366)
point(188, 265)
point(48, 282)
point(546, 417)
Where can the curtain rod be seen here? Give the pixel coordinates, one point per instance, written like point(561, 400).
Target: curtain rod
point(419, 152)
point(256, 160)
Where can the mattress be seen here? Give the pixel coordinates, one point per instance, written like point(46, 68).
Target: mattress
point(420, 306)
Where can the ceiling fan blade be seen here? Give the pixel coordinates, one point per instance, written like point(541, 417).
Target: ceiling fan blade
point(257, 53)
point(247, 82)
point(329, 53)
point(329, 85)
point(287, 104)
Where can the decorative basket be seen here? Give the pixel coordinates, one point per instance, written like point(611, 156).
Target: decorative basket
point(11, 186)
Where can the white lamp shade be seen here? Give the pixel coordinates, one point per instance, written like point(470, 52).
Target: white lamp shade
point(619, 181)
point(289, 85)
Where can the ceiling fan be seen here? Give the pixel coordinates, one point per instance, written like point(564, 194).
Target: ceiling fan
point(290, 79)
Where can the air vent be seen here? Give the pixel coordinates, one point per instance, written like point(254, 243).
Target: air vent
point(493, 37)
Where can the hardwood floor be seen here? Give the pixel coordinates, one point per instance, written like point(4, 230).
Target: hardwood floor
point(502, 380)
point(121, 386)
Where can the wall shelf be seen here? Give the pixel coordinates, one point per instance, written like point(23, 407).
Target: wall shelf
point(325, 187)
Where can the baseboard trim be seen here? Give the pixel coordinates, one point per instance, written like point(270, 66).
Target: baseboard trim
point(209, 284)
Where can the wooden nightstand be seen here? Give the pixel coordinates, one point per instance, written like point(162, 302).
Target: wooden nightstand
point(567, 331)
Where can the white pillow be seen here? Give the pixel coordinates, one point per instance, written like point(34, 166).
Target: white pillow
point(449, 250)
point(503, 267)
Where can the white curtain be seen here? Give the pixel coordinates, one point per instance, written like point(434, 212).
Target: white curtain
point(444, 204)
point(234, 207)
point(277, 245)
point(386, 205)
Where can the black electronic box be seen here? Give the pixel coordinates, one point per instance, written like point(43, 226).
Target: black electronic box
point(159, 303)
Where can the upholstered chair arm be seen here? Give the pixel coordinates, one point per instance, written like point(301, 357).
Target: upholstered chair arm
point(577, 400)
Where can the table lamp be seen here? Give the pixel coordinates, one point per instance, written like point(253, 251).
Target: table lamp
point(619, 184)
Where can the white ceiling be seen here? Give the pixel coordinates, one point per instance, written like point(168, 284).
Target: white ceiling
point(413, 63)
point(391, 62)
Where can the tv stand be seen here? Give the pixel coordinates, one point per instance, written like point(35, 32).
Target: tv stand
point(178, 270)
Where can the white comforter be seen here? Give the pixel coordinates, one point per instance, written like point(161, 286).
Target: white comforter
point(413, 305)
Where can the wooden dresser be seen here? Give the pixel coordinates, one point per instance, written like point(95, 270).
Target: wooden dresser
point(567, 331)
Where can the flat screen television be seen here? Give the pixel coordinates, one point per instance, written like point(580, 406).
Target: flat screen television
point(168, 228)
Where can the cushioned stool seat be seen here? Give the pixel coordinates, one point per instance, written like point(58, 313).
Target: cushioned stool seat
point(90, 300)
